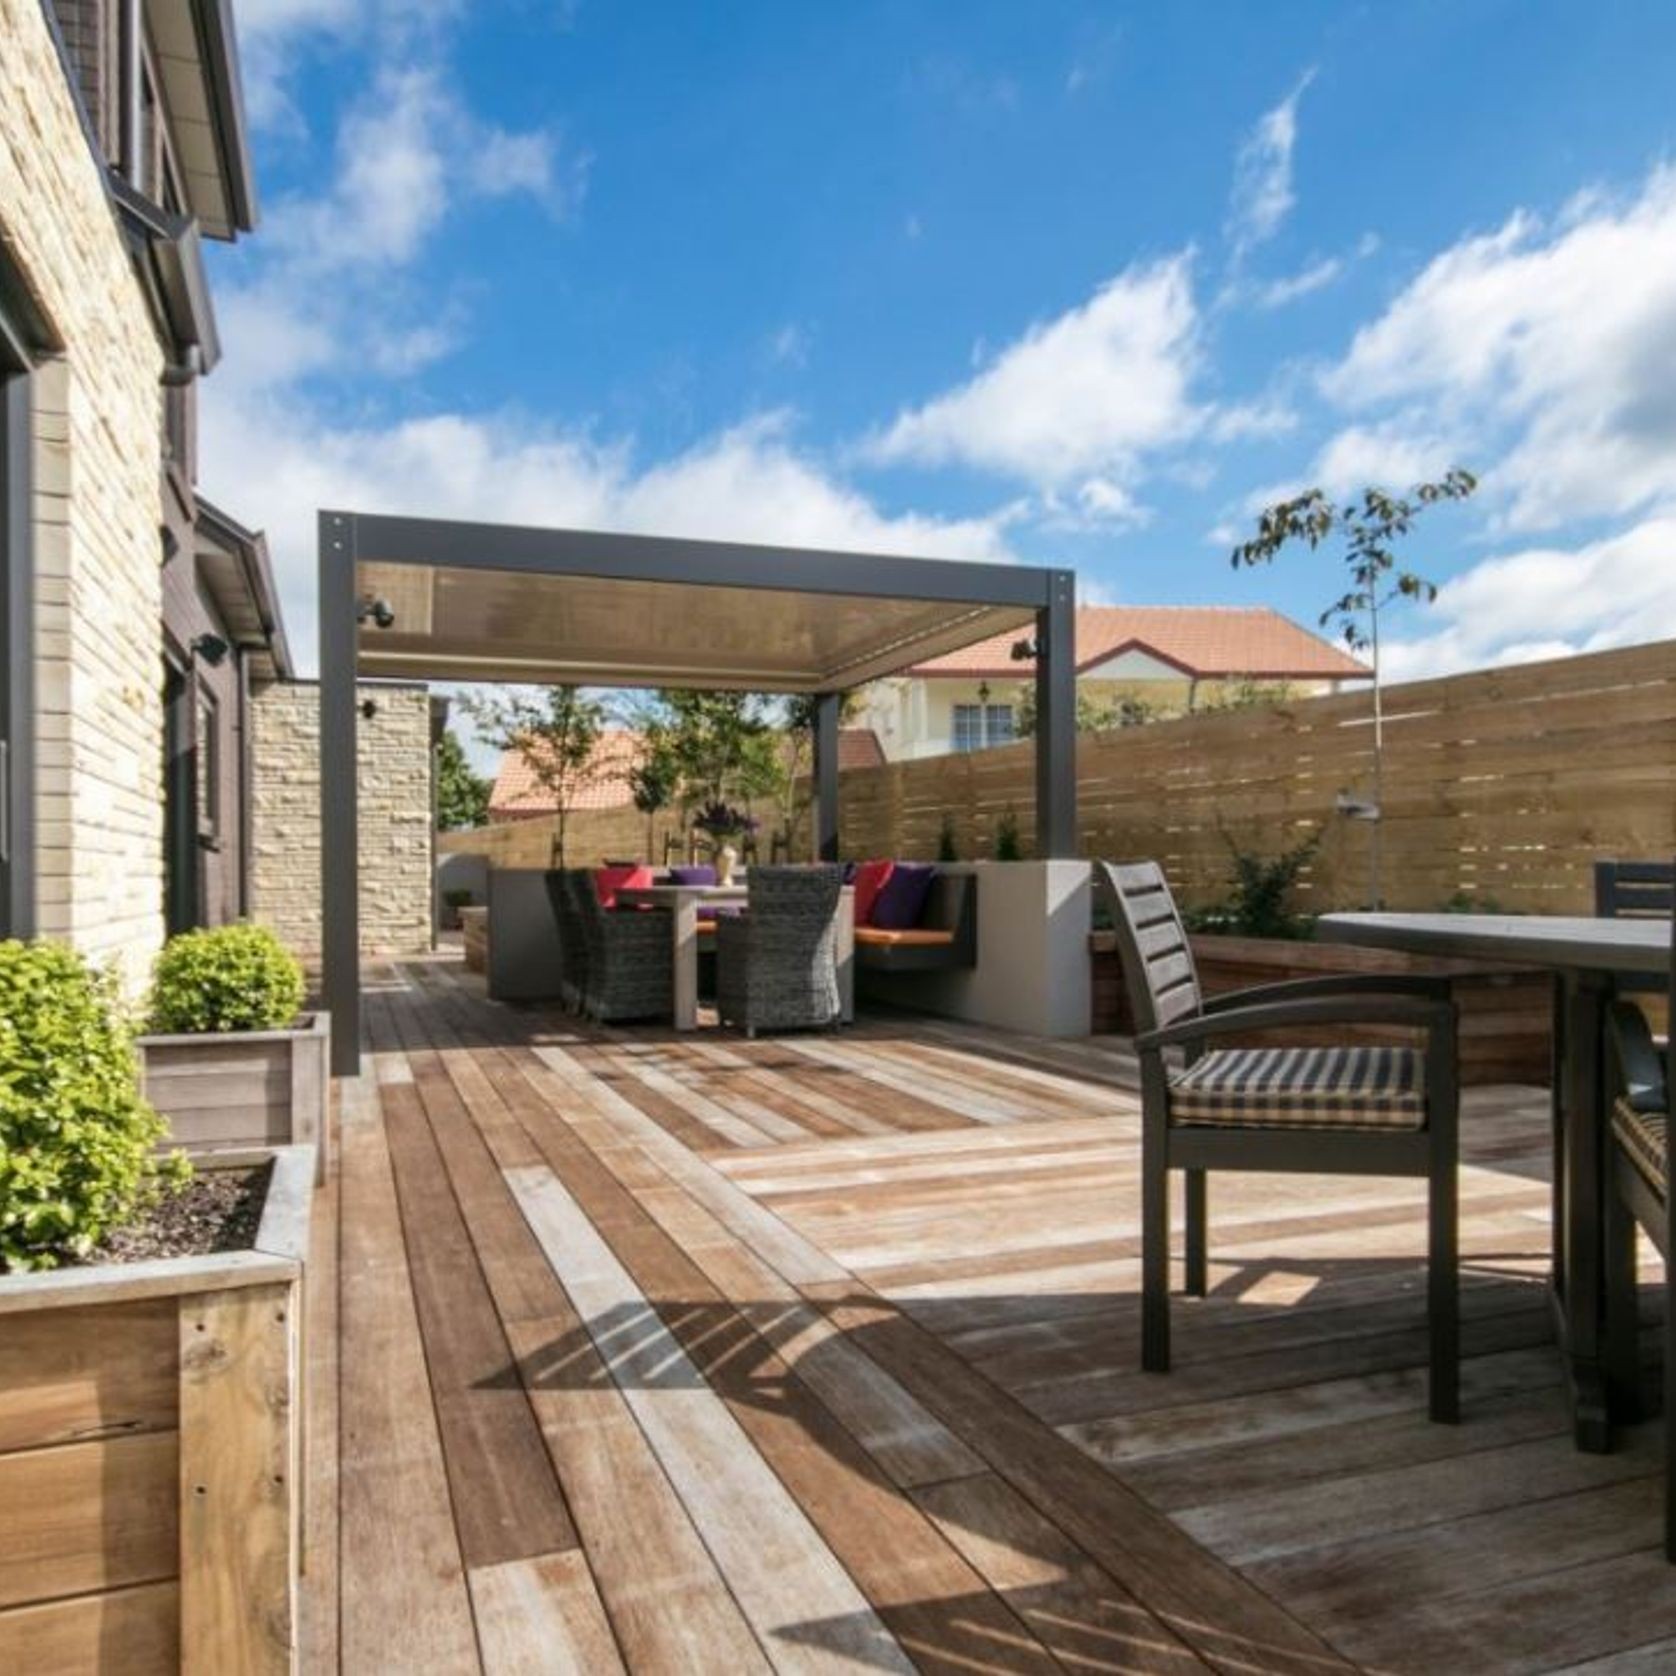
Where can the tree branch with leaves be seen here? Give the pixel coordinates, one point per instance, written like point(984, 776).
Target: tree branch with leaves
point(556, 730)
point(1369, 528)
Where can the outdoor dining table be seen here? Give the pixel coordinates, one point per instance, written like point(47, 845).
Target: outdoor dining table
point(1586, 956)
point(684, 901)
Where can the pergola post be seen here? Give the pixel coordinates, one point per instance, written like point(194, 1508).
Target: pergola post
point(340, 942)
point(1056, 720)
point(824, 815)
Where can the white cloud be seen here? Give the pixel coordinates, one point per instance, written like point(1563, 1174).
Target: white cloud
point(1262, 195)
point(1082, 395)
point(408, 152)
point(1316, 276)
point(1547, 602)
point(1552, 346)
point(274, 459)
point(788, 346)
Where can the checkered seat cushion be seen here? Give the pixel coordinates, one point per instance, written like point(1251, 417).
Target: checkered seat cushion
point(1643, 1136)
point(1303, 1088)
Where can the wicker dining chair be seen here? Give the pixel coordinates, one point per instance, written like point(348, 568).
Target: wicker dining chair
point(573, 940)
point(630, 956)
point(776, 964)
point(1638, 1193)
point(1329, 1110)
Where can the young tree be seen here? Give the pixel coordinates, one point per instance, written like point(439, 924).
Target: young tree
point(795, 763)
point(1369, 528)
point(462, 797)
point(556, 731)
point(654, 779)
point(723, 745)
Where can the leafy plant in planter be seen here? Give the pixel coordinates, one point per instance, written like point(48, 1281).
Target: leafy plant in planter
point(947, 848)
point(1260, 902)
point(77, 1139)
point(1008, 845)
point(232, 977)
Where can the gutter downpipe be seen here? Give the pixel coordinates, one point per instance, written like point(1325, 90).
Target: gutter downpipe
point(130, 47)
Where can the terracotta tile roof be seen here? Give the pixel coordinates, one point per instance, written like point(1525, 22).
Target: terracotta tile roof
point(1203, 640)
point(518, 795)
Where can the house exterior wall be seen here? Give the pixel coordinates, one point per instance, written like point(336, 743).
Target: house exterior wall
point(396, 862)
point(97, 457)
point(913, 716)
point(188, 613)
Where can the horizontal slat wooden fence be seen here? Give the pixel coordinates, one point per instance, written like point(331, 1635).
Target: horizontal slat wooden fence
point(1502, 786)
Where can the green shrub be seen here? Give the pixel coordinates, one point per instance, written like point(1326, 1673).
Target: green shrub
point(1008, 845)
point(234, 977)
point(1260, 902)
point(76, 1138)
point(947, 849)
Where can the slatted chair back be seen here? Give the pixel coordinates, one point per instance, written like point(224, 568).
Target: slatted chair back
point(1636, 890)
point(1158, 968)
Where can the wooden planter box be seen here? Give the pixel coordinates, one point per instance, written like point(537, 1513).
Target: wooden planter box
point(151, 1435)
point(1506, 1012)
point(244, 1088)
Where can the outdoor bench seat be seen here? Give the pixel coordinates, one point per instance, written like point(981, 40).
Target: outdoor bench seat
point(1303, 1088)
point(945, 940)
point(917, 937)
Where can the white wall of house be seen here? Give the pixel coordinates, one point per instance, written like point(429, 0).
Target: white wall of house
point(98, 511)
point(916, 716)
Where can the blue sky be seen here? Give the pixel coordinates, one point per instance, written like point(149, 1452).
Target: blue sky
point(1083, 284)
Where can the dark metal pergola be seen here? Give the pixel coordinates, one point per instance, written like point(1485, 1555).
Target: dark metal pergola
point(432, 599)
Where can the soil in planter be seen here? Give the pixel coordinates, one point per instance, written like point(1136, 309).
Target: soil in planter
point(217, 1210)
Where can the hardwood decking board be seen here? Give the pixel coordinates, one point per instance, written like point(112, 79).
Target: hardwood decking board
point(542, 1614)
point(872, 1289)
point(404, 1604)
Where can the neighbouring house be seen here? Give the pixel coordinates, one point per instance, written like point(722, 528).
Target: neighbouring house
point(519, 795)
point(1169, 659)
point(137, 620)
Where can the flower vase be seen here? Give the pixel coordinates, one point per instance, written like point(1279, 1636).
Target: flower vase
point(727, 858)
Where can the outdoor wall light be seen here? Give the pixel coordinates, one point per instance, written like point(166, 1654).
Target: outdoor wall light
point(1023, 651)
point(379, 611)
point(212, 649)
point(369, 708)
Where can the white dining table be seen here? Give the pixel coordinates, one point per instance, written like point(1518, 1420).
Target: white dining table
point(683, 903)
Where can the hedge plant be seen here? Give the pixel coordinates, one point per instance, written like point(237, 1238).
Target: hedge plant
point(232, 977)
point(77, 1139)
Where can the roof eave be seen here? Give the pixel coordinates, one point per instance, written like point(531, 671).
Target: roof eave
point(225, 87)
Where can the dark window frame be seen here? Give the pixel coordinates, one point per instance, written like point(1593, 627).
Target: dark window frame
point(17, 637)
point(207, 764)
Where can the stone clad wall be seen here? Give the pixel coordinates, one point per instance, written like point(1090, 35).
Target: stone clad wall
point(98, 508)
point(395, 817)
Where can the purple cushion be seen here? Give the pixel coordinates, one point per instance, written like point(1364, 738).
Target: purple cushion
point(902, 901)
point(698, 875)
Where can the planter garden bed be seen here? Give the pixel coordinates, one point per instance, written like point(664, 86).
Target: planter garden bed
point(1506, 1013)
point(243, 1088)
point(151, 1437)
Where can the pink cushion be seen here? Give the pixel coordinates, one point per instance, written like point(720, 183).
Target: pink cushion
point(609, 880)
point(870, 878)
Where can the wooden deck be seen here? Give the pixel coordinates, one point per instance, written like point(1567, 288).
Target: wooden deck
point(690, 1355)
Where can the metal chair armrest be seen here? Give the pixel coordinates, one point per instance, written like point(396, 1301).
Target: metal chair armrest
point(1347, 983)
point(1434, 1017)
point(1640, 1064)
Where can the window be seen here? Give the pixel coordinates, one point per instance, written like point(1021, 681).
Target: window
point(208, 753)
point(17, 648)
point(978, 726)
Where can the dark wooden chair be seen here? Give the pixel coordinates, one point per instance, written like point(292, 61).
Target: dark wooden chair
point(1330, 1110)
point(1638, 1193)
point(1635, 890)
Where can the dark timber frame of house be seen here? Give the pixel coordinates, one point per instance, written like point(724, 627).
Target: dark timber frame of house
point(876, 615)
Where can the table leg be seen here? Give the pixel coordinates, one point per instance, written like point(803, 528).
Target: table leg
point(1579, 1259)
point(685, 917)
